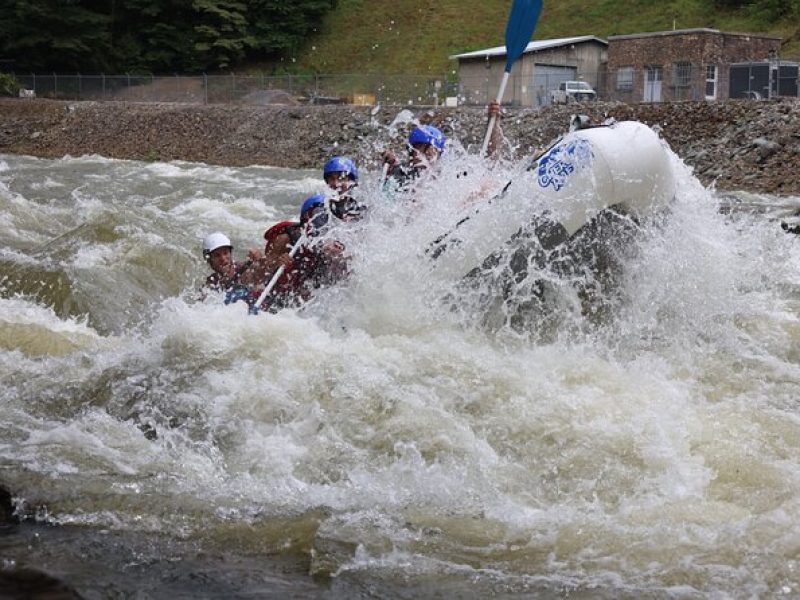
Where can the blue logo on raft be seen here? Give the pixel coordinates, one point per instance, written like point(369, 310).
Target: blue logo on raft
point(563, 160)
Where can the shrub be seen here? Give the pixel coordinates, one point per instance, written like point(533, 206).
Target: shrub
point(9, 86)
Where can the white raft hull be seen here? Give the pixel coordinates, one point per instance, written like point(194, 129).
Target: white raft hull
point(624, 164)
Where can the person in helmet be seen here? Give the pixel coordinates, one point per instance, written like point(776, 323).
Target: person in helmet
point(237, 279)
point(314, 216)
point(341, 175)
point(321, 262)
point(218, 253)
point(289, 289)
point(426, 144)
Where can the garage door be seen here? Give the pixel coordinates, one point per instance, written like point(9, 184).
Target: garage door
point(546, 78)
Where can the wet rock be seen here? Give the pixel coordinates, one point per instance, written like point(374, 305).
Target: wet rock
point(25, 582)
point(7, 516)
point(766, 147)
point(791, 227)
point(697, 155)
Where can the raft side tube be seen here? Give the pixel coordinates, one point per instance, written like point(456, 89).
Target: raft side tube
point(592, 169)
point(589, 170)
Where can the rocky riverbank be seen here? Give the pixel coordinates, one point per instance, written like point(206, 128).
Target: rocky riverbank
point(735, 145)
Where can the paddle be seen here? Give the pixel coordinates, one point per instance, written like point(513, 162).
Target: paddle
point(519, 30)
point(272, 282)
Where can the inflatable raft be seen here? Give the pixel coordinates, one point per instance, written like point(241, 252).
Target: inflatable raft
point(624, 165)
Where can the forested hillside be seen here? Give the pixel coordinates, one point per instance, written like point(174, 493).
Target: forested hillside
point(160, 36)
point(330, 36)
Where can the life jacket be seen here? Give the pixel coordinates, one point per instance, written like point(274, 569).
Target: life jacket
point(222, 283)
point(309, 269)
point(347, 209)
point(231, 285)
point(320, 266)
point(402, 176)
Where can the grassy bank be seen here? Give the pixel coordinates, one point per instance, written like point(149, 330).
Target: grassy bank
point(417, 36)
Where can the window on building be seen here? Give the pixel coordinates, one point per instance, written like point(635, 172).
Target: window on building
point(683, 74)
point(711, 82)
point(625, 78)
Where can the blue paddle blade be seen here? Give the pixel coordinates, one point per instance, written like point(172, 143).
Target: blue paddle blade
point(521, 23)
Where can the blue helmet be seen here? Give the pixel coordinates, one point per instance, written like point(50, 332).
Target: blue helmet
point(427, 134)
point(311, 202)
point(340, 164)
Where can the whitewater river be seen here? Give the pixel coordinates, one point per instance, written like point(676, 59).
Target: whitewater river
point(392, 439)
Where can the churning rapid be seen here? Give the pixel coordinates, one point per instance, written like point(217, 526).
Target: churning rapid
point(591, 432)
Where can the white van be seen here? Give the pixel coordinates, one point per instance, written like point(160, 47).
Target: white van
point(572, 91)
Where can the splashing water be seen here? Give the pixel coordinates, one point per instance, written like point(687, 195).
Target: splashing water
point(636, 434)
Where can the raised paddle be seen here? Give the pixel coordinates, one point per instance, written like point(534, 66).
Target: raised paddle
point(519, 30)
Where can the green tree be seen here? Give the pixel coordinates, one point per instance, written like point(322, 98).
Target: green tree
point(222, 32)
point(768, 11)
point(65, 35)
point(154, 36)
point(280, 27)
point(9, 86)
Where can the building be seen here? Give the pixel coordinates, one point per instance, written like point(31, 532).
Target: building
point(693, 64)
point(542, 67)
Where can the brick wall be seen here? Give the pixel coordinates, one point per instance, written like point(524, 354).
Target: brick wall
point(697, 48)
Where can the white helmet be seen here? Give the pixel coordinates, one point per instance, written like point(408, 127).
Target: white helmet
point(213, 241)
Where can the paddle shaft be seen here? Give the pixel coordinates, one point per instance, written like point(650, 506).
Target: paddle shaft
point(500, 93)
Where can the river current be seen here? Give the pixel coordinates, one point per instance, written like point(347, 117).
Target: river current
point(389, 440)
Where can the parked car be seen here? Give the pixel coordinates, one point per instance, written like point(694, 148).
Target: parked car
point(572, 91)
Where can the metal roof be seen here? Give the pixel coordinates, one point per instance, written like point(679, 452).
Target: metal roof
point(531, 47)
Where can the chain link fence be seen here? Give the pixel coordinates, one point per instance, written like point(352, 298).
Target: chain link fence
point(542, 90)
point(244, 89)
point(659, 83)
